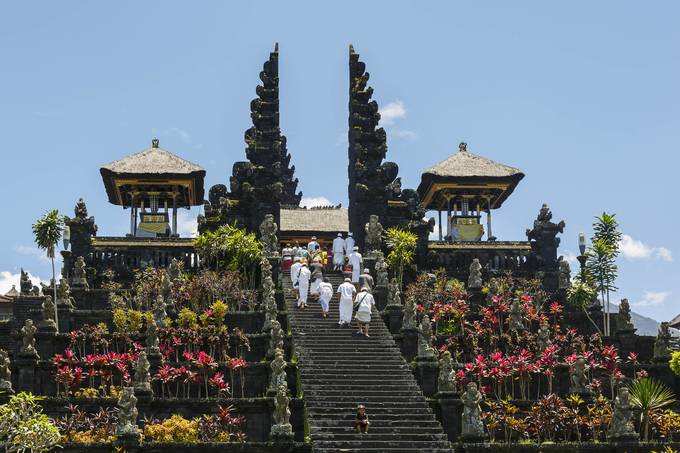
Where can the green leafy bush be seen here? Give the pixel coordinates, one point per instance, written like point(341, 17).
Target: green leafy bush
point(23, 426)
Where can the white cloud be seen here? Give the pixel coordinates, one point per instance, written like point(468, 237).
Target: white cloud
point(311, 202)
point(570, 258)
point(391, 112)
point(652, 298)
point(7, 279)
point(184, 136)
point(31, 250)
point(187, 226)
point(632, 249)
point(404, 134)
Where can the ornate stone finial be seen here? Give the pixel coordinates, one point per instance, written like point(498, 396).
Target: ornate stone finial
point(270, 242)
point(5, 373)
point(381, 275)
point(25, 283)
point(278, 368)
point(154, 143)
point(374, 231)
point(79, 277)
point(425, 349)
point(159, 309)
point(275, 339)
point(48, 314)
point(127, 414)
point(446, 379)
point(472, 427)
point(475, 277)
point(621, 426)
point(462, 147)
point(564, 274)
point(516, 317)
point(662, 351)
point(623, 321)
point(142, 375)
point(64, 293)
point(281, 427)
point(393, 293)
point(28, 339)
point(152, 346)
point(351, 49)
point(578, 376)
point(409, 317)
point(276, 47)
point(543, 336)
point(80, 209)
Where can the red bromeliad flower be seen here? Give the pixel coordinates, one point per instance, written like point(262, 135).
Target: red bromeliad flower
point(555, 308)
point(237, 363)
point(633, 358)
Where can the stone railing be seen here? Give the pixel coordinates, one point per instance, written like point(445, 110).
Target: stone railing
point(496, 257)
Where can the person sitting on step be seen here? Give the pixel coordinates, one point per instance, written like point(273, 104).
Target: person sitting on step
point(361, 422)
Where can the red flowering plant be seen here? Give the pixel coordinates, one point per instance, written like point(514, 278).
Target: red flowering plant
point(100, 371)
point(239, 365)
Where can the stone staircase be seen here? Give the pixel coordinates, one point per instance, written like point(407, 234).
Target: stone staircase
point(339, 370)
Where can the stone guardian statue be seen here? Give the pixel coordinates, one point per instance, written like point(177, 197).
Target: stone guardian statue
point(472, 427)
point(374, 231)
point(268, 230)
point(621, 426)
point(475, 278)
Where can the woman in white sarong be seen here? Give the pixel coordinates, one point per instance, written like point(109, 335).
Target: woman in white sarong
point(347, 291)
point(325, 296)
point(364, 303)
point(303, 285)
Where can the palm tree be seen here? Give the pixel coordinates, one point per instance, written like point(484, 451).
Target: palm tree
point(47, 231)
point(649, 396)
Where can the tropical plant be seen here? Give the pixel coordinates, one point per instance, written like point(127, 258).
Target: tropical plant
point(601, 259)
point(46, 232)
point(402, 246)
point(667, 424)
point(231, 248)
point(23, 426)
point(649, 396)
point(580, 294)
point(674, 362)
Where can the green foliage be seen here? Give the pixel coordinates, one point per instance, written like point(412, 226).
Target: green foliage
point(23, 426)
point(580, 294)
point(130, 321)
point(402, 246)
point(187, 318)
point(231, 248)
point(674, 363)
point(48, 230)
point(649, 396)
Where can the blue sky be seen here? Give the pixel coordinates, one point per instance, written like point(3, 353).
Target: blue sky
point(582, 96)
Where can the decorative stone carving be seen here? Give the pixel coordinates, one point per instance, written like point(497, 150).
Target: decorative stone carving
point(544, 242)
point(516, 317)
point(578, 376)
point(623, 320)
point(381, 275)
point(28, 339)
point(662, 351)
point(409, 317)
point(425, 349)
point(446, 379)
point(276, 338)
point(472, 426)
point(80, 210)
point(127, 414)
point(564, 276)
point(48, 314)
point(394, 293)
point(159, 309)
point(543, 337)
point(174, 270)
point(64, 294)
point(25, 284)
point(270, 242)
point(281, 427)
point(621, 426)
point(475, 278)
point(374, 231)
point(142, 374)
point(278, 371)
point(79, 278)
point(152, 345)
point(5, 373)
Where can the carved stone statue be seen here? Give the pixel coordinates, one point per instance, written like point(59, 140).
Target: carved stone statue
point(516, 317)
point(25, 284)
point(578, 378)
point(425, 349)
point(374, 231)
point(281, 426)
point(278, 367)
point(142, 375)
point(543, 336)
point(623, 321)
point(64, 294)
point(28, 338)
point(79, 278)
point(446, 379)
point(394, 293)
point(662, 351)
point(80, 210)
point(127, 413)
point(381, 276)
point(5, 373)
point(409, 316)
point(472, 426)
point(159, 312)
point(564, 274)
point(48, 314)
point(621, 426)
point(270, 242)
point(276, 338)
point(152, 346)
point(475, 278)
point(174, 270)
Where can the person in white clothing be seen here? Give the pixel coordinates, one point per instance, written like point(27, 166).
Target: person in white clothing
point(347, 291)
point(349, 244)
point(338, 252)
point(364, 303)
point(295, 273)
point(313, 246)
point(325, 295)
point(303, 285)
point(356, 260)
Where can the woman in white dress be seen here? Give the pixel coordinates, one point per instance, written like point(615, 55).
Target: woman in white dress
point(347, 291)
point(364, 303)
point(325, 295)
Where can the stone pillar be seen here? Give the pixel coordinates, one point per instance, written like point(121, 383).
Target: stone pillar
point(427, 371)
point(26, 365)
point(174, 216)
point(450, 412)
point(392, 315)
point(409, 344)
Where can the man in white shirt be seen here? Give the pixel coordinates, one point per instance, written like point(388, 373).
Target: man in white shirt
point(303, 285)
point(347, 291)
point(349, 244)
point(356, 260)
point(325, 296)
point(338, 252)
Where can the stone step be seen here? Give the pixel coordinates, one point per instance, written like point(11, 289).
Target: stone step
point(380, 420)
point(366, 442)
point(381, 436)
point(384, 450)
point(375, 406)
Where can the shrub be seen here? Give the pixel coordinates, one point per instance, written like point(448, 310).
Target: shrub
point(674, 363)
point(174, 429)
point(23, 426)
